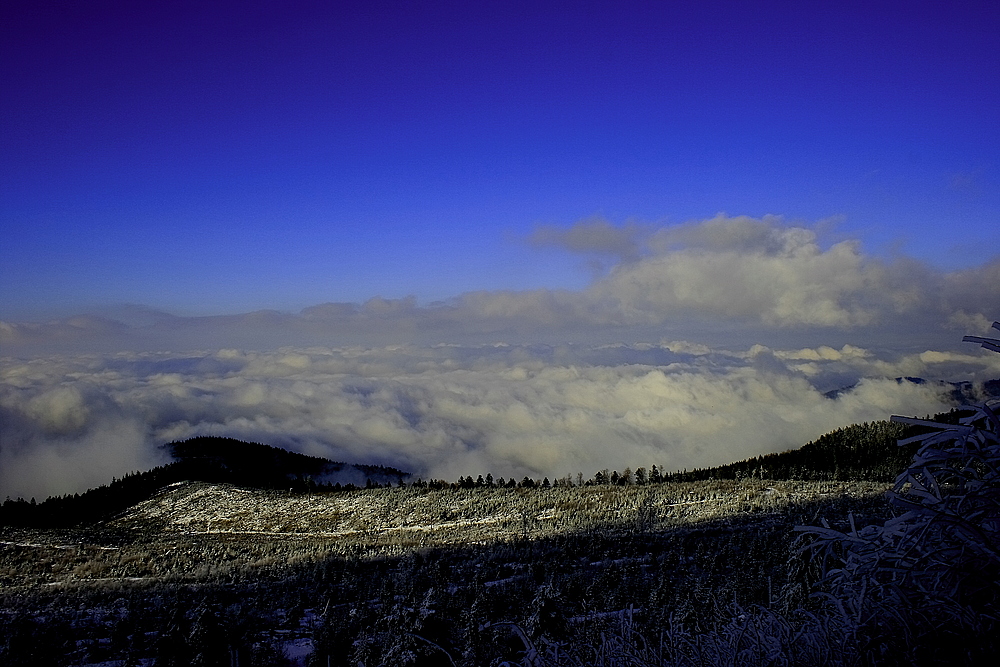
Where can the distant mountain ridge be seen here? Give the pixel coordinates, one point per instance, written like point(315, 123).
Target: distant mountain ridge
point(213, 459)
point(960, 392)
point(859, 452)
point(204, 459)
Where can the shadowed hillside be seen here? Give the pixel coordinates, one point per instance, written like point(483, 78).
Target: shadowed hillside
point(206, 459)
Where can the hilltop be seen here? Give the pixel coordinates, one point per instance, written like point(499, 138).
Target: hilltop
point(212, 459)
point(205, 459)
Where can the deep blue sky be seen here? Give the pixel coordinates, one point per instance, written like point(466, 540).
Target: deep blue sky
point(211, 157)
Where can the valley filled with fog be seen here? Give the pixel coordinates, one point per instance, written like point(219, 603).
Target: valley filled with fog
point(73, 422)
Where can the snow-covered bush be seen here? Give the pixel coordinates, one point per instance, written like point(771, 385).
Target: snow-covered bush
point(925, 585)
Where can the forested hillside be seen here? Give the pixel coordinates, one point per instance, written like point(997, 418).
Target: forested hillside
point(377, 575)
point(207, 459)
point(861, 452)
point(866, 451)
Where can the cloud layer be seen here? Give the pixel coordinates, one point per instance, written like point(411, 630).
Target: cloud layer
point(719, 274)
point(450, 410)
point(747, 324)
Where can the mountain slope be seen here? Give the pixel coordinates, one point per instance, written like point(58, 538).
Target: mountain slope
point(206, 459)
point(860, 452)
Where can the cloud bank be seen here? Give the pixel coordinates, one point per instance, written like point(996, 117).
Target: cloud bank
point(695, 345)
point(72, 422)
point(723, 274)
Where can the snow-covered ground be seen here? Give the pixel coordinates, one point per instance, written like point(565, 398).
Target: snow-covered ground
point(456, 515)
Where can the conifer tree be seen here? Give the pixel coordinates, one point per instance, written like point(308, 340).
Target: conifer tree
point(654, 475)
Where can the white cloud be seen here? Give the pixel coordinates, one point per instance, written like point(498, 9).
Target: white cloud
point(595, 235)
point(761, 271)
point(445, 411)
point(740, 274)
point(36, 461)
point(759, 320)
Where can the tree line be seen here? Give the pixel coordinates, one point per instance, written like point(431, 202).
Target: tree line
point(862, 452)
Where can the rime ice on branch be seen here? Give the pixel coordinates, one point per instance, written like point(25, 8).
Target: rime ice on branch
point(988, 343)
point(932, 573)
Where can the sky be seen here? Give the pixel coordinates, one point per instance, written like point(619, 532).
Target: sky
point(392, 232)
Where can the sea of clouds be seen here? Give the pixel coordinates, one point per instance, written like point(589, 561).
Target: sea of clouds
point(695, 345)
